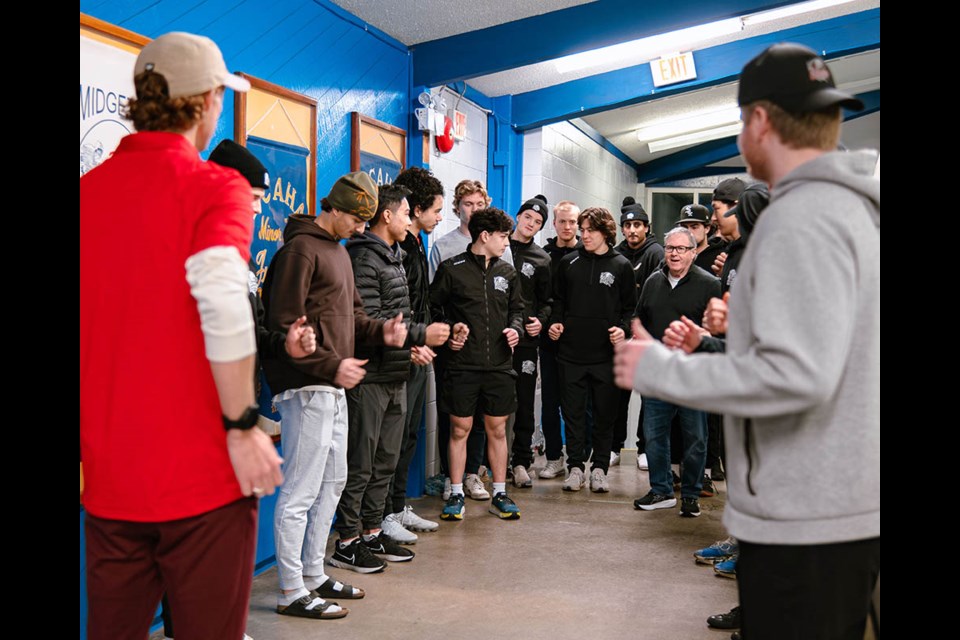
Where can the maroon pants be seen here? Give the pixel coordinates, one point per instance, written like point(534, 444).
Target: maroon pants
point(205, 564)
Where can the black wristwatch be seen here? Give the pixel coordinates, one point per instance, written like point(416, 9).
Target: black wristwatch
point(246, 421)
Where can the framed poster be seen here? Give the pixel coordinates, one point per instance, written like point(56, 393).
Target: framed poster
point(107, 56)
point(377, 148)
point(278, 126)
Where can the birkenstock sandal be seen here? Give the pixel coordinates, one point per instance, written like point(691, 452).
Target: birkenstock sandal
point(347, 592)
point(311, 607)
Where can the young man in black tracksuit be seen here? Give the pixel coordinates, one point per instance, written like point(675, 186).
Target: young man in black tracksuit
point(479, 296)
point(426, 206)
point(646, 255)
point(594, 296)
point(565, 215)
point(533, 267)
point(376, 407)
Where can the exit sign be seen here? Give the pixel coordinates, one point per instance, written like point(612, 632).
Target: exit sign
point(673, 69)
point(459, 125)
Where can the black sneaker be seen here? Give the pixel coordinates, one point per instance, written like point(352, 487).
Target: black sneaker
point(689, 507)
point(355, 557)
point(707, 490)
point(717, 473)
point(387, 548)
point(729, 620)
point(653, 501)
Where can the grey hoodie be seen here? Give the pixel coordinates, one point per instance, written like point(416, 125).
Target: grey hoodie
point(800, 381)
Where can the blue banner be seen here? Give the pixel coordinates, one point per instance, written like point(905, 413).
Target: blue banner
point(382, 170)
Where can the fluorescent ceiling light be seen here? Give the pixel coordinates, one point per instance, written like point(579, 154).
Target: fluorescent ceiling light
point(790, 10)
point(694, 138)
point(690, 123)
point(650, 48)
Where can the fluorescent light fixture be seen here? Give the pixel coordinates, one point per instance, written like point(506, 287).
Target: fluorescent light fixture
point(691, 123)
point(790, 10)
point(650, 48)
point(694, 138)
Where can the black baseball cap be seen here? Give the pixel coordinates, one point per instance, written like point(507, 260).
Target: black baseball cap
point(230, 154)
point(729, 190)
point(794, 78)
point(694, 213)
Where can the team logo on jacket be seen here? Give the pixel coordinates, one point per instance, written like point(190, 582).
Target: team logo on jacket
point(731, 277)
point(607, 278)
point(527, 269)
point(252, 282)
point(500, 284)
point(529, 367)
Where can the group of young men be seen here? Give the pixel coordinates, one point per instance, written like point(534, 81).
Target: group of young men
point(347, 332)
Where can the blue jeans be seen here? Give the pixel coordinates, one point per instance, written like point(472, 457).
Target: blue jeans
point(657, 418)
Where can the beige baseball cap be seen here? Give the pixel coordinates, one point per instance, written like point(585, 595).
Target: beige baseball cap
point(190, 64)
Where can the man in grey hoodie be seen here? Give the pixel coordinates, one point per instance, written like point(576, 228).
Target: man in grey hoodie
point(800, 381)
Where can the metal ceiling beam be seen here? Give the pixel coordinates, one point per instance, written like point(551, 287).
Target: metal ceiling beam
point(564, 32)
point(716, 65)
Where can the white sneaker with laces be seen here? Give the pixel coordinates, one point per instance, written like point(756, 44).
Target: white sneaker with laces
point(393, 527)
point(520, 477)
point(598, 481)
point(553, 469)
point(413, 522)
point(575, 480)
point(473, 487)
point(614, 458)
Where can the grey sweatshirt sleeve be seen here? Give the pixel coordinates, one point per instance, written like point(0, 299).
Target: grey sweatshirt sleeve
point(792, 324)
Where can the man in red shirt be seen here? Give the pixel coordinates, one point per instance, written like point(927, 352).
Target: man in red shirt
point(164, 239)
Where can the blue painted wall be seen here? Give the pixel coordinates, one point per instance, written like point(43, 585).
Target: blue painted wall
point(308, 46)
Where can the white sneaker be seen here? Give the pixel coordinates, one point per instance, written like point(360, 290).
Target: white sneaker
point(614, 458)
point(575, 480)
point(520, 477)
point(413, 522)
point(598, 481)
point(642, 462)
point(553, 469)
point(473, 487)
point(393, 527)
point(446, 489)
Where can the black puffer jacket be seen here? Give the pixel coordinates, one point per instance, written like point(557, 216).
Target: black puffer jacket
point(382, 284)
point(536, 283)
point(488, 300)
point(418, 279)
point(645, 259)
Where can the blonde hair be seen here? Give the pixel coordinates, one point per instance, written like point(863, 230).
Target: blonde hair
point(810, 130)
point(465, 188)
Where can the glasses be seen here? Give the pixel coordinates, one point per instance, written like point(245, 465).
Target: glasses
point(680, 250)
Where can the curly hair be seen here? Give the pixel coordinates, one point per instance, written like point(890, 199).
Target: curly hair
point(599, 219)
point(424, 187)
point(467, 187)
point(490, 220)
point(154, 110)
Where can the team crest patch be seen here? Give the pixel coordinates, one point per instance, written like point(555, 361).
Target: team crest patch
point(529, 367)
point(731, 277)
point(500, 284)
point(527, 269)
point(252, 281)
point(607, 278)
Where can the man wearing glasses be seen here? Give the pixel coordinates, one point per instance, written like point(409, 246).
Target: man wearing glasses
point(678, 289)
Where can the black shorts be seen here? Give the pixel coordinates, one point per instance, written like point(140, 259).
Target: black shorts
point(464, 391)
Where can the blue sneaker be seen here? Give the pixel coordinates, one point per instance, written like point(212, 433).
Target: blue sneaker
point(454, 508)
point(727, 568)
point(504, 508)
point(717, 552)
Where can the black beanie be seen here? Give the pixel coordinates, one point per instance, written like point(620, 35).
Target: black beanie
point(632, 211)
point(229, 154)
point(537, 204)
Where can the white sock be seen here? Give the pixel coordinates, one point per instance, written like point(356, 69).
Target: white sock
point(284, 599)
point(456, 489)
point(313, 582)
point(499, 487)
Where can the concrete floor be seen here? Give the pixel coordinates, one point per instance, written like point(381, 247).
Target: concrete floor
point(575, 565)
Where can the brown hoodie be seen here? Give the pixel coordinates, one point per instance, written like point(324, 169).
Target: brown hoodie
point(311, 275)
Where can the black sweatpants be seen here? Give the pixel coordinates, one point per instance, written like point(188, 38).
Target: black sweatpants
point(525, 364)
point(578, 382)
